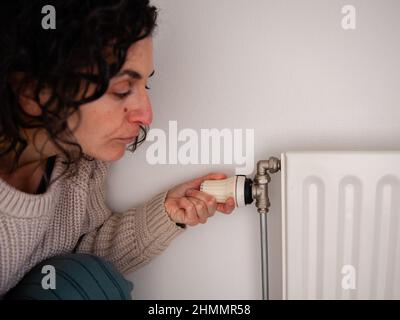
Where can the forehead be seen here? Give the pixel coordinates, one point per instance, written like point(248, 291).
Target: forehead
point(140, 55)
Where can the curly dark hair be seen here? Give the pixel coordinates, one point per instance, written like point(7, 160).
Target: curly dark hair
point(63, 61)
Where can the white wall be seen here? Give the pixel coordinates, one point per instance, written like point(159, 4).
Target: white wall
point(289, 71)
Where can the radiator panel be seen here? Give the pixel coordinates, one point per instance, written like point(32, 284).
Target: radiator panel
point(340, 225)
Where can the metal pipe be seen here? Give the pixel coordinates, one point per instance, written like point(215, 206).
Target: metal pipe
point(260, 194)
point(264, 256)
point(258, 191)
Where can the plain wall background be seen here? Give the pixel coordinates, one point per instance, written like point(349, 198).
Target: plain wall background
point(289, 71)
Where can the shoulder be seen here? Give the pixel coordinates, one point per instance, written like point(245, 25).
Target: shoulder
point(98, 170)
point(90, 172)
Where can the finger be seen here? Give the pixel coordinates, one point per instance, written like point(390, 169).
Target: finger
point(215, 176)
point(179, 216)
point(208, 199)
point(176, 213)
point(227, 207)
point(190, 216)
point(201, 209)
point(179, 190)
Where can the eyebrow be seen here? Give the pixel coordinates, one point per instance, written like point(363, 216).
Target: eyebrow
point(133, 74)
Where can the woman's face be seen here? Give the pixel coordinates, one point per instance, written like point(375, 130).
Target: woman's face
point(121, 110)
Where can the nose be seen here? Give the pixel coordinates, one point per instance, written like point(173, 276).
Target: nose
point(141, 111)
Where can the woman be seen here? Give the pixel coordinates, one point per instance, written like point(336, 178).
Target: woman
point(73, 100)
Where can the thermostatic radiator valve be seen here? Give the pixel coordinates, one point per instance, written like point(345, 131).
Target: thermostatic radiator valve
point(239, 187)
point(244, 190)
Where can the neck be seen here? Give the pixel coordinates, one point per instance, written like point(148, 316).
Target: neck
point(30, 165)
point(38, 150)
point(28, 159)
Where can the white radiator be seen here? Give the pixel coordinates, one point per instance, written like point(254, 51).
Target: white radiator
point(341, 225)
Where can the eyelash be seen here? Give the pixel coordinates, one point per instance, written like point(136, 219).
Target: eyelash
point(122, 95)
point(125, 94)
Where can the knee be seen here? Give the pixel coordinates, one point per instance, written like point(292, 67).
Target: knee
point(73, 277)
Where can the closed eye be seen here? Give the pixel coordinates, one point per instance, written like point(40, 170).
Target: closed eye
point(122, 95)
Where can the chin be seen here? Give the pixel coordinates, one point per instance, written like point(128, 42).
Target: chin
point(113, 154)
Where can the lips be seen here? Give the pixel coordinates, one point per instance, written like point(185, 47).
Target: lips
point(131, 137)
point(128, 140)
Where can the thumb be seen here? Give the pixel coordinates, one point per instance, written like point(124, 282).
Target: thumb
point(180, 190)
point(195, 184)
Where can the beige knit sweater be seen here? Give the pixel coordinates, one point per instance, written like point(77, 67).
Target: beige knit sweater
point(36, 227)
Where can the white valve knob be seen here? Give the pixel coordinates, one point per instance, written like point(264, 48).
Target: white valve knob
point(238, 187)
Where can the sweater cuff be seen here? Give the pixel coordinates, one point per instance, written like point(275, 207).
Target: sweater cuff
point(158, 223)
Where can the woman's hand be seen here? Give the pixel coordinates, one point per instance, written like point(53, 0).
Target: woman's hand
point(186, 204)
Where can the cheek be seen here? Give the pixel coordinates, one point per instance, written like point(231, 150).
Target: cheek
point(97, 124)
point(100, 123)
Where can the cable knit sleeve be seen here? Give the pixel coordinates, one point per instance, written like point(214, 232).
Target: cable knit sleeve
point(129, 239)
